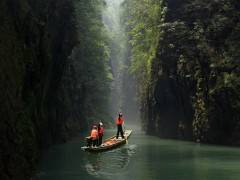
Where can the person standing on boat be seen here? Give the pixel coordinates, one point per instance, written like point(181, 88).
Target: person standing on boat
point(100, 133)
point(94, 136)
point(120, 122)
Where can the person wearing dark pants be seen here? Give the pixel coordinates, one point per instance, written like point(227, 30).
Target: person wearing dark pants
point(94, 142)
point(120, 122)
point(100, 133)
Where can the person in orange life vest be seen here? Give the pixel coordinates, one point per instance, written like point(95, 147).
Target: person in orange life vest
point(100, 133)
point(120, 122)
point(94, 136)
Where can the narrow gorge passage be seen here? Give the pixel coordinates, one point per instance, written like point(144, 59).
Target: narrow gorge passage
point(171, 67)
point(144, 157)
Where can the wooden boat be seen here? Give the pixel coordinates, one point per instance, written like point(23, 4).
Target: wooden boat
point(109, 143)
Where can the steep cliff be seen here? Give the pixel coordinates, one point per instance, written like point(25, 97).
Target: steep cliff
point(44, 97)
point(193, 80)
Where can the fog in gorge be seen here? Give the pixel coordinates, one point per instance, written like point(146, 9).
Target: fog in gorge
point(123, 90)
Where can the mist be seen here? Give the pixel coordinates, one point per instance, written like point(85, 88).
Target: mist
point(123, 88)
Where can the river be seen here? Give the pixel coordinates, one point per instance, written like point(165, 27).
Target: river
point(143, 158)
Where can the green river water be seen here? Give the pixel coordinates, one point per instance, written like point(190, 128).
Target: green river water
point(144, 157)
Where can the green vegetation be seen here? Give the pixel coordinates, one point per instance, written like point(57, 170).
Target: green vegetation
point(141, 19)
point(89, 65)
point(54, 77)
point(116, 42)
point(185, 55)
point(58, 63)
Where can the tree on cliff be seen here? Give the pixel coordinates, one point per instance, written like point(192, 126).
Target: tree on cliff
point(53, 60)
point(191, 71)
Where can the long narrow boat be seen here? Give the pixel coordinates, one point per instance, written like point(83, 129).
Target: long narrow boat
point(109, 143)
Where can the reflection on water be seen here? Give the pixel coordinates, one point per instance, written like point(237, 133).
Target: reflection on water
point(143, 158)
point(109, 163)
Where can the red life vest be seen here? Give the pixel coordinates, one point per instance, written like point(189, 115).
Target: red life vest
point(94, 134)
point(119, 121)
point(100, 131)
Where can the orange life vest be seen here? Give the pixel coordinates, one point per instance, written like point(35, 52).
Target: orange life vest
point(119, 121)
point(101, 131)
point(94, 134)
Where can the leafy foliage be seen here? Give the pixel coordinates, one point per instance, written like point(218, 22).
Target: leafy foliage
point(141, 20)
point(189, 64)
point(54, 77)
point(89, 63)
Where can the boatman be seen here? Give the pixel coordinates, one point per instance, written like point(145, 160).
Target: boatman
point(94, 136)
point(100, 133)
point(120, 122)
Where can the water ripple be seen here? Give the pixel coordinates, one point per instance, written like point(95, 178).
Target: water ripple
point(109, 163)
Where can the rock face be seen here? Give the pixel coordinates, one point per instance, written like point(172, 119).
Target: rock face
point(196, 73)
point(193, 82)
point(33, 51)
point(40, 102)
